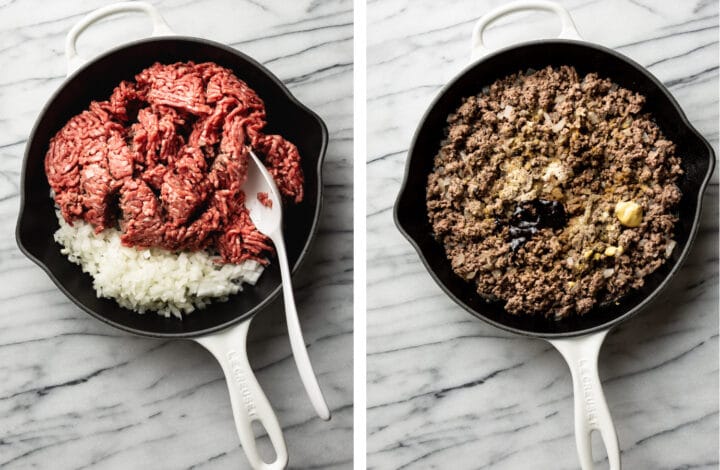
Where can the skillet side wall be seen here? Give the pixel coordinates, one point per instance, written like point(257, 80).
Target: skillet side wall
point(96, 81)
point(411, 217)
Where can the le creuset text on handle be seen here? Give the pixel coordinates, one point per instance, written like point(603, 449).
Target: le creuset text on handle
point(591, 409)
point(248, 401)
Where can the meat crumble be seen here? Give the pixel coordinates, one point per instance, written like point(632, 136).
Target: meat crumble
point(554, 193)
point(165, 158)
point(265, 200)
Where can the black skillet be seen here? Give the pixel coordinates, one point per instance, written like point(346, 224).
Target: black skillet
point(578, 338)
point(221, 327)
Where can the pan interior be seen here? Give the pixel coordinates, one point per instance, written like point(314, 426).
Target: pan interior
point(410, 211)
point(96, 81)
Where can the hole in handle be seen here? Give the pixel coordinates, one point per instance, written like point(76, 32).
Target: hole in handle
point(598, 451)
point(262, 440)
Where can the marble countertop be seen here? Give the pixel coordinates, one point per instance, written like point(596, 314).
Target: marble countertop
point(448, 391)
point(75, 393)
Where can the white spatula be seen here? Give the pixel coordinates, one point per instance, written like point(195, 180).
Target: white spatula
point(268, 221)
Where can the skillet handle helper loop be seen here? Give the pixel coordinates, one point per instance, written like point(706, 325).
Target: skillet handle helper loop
point(480, 50)
point(591, 409)
point(74, 61)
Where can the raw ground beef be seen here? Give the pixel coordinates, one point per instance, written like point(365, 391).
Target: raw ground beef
point(165, 158)
point(525, 189)
point(265, 199)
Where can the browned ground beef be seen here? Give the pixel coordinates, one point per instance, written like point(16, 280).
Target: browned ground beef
point(525, 187)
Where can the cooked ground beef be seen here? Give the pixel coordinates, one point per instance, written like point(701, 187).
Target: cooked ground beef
point(165, 158)
point(554, 193)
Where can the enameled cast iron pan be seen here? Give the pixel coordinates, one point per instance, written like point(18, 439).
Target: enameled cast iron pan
point(221, 327)
point(577, 338)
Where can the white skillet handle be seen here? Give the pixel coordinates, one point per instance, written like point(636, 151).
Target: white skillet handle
point(248, 401)
point(591, 409)
point(74, 61)
point(297, 342)
point(567, 31)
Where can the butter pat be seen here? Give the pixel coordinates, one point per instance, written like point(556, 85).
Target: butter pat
point(613, 250)
point(629, 213)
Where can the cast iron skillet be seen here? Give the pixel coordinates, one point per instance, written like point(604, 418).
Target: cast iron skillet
point(578, 338)
point(37, 222)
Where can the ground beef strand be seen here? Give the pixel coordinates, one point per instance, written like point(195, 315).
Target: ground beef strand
point(580, 146)
point(165, 158)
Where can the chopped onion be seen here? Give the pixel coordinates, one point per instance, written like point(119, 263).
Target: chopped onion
point(507, 113)
point(669, 248)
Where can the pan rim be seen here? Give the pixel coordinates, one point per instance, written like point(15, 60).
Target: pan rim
point(648, 299)
point(303, 252)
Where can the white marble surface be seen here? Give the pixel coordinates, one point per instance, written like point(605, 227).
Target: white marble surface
point(446, 390)
point(75, 393)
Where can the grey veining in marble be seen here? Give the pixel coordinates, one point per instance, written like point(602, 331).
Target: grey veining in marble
point(75, 393)
point(446, 390)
